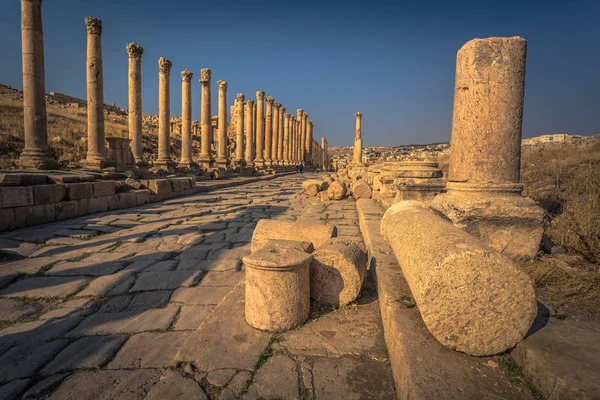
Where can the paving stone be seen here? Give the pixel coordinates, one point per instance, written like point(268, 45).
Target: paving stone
point(277, 378)
point(202, 251)
point(24, 361)
point(16, 249)
point(222, 278)
point(12, 310)
point(147, 300)
point(226, 264)
point(111, 284)
point(225, 340)
point(149, 350)
point(116, 304)
point(45, 386)
point(174, 386)
point(157, 280)
point(13, 389)
point(85, 353)
point(85, 268)
point(237, 252)
point(107, 385)
point(220, 377)
point(125, 322)
point(35, 332)
point(191, 239)
point(190, 317)
point(200, 295)
point(77, 234)
point(52, 286)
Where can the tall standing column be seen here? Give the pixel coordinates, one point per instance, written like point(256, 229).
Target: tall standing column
point(275, 140)
point(96, 155)
point(35, 154)
point(286, 139)
point(357, 159)
point(135, 52)
point(305, 138)
point(249, 134)
point(280, 153)
point(269, 132)
point(309, 134)
point(259, 161)
point(186, 120)
point(205, 159)
point(293, 139)
point(222, 161)
point(239, 129)
point(164, 115)
point(323, 152)
point(301, 143)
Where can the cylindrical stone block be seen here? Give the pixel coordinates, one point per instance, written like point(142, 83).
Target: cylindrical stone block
point(260, 128)
point(337, 272)
point(222, 156)
point(249, 133)
point(275, 139)
point(164, 110)
point(135, 53)
point(280, 153)
point(288, 230)
point(471, 298)
point(239, 129)
point(337, 190)
point(286, 139)
point(277, 288)
point(488, 111)
point(361, 189)
point(268, 130)
point(205, 157)
point(186, 117)
point(311, 187)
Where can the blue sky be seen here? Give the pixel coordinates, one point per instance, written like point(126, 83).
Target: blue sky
point(395, 62)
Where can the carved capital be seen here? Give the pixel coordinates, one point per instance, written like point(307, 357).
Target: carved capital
point(134, 50)
point(205, 76)
point(240, 97)
point(358, 115)
point(277, 105)
point(164, 65)
point(299, 112)
point(304, 115)
point(186, 75)
point(282, 110)
point(270, 100)
point(260, 95)
point(222, 85)
point(310, 122)
point(288, 116)
point(251, 103)
point(94, 25)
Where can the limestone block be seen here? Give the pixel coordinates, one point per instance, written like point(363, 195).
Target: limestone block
point(337, 272)
point(311, 187)
point(127, 200)
point(323, 196)
point(277, 288)
point(337, 190)
point(8, 220)
point(471, 298)
point(95, 204)
point(17, 196)
point(142, 197)
point(33, 215)
point(48, 194)
point(306, 247)
point(158, 186)
point(113, 202)
point(104, 188)
point(83, 190)
point(267, 229)
point(361, 189)
point(66, 209)
point(180, 184)
point(10, 180)
point(329, 180)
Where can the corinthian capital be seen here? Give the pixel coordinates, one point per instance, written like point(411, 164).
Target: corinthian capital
point(164, 65)
point(358, 115)
point(222, 85)
point(282, 110)
point(270, 100)
point(186, 75)
point(305, 115)
point(310, 122)
point(251, 103)
point(205, 76)
point(134, 50)
point(94, 25)
point(299, 111)
point(277, 105)
point(240, 97)
point(260, 95)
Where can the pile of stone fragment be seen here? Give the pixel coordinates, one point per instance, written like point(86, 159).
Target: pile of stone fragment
point(292, 262)
point(343, 184)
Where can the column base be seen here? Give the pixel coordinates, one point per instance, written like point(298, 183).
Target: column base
point(495, 213)
point(165, 165)
point(206, 162)
point(222, 163)
point(187, 165)
point(36, 160)
point(259, 163)
point(142, 165)
point(97, 163)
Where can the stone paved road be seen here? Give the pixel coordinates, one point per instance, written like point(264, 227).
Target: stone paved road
point(147, 303)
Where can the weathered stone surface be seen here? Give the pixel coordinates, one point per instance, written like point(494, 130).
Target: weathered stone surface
point(286, 230)
point(149, 350)
point(109, 285)
point(226, 264)
point(85, 267)
point(200, 295)
point(77, 191)
point(190, 317)
point(12, 310)
point(277, 288)
point(45, 287)
point(361, 189)
point(107, 385)
point(13, 389)
point(157, 280)
point(24, 361)
point(174, 386)
point(220, 377)
point(17, 196)
point(147, 300)
point(471, 298)
point(104, 188)
point(337, 272)
point(337, 190)
point(276, 379)
point(125, 322)
point(85, 353)
point(16, 249)
point(222, 278)
point(311, 187)
point(44, 387)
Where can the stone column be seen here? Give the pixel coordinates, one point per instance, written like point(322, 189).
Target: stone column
point(280, 152)
point(35, 154)
point(323, 147)
point(357, 159)
point(164, 115)
point(259, 160)
point(293, 140)
point(275, 139)
point(301, 142)
point(239, 131)
point(483, 190)
point(286, 139)
point(205, 159)
point(307, 137)
point(249, 134)
point(269, 132)
point(221, 161)
point(96, 155)
point(186, 120)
